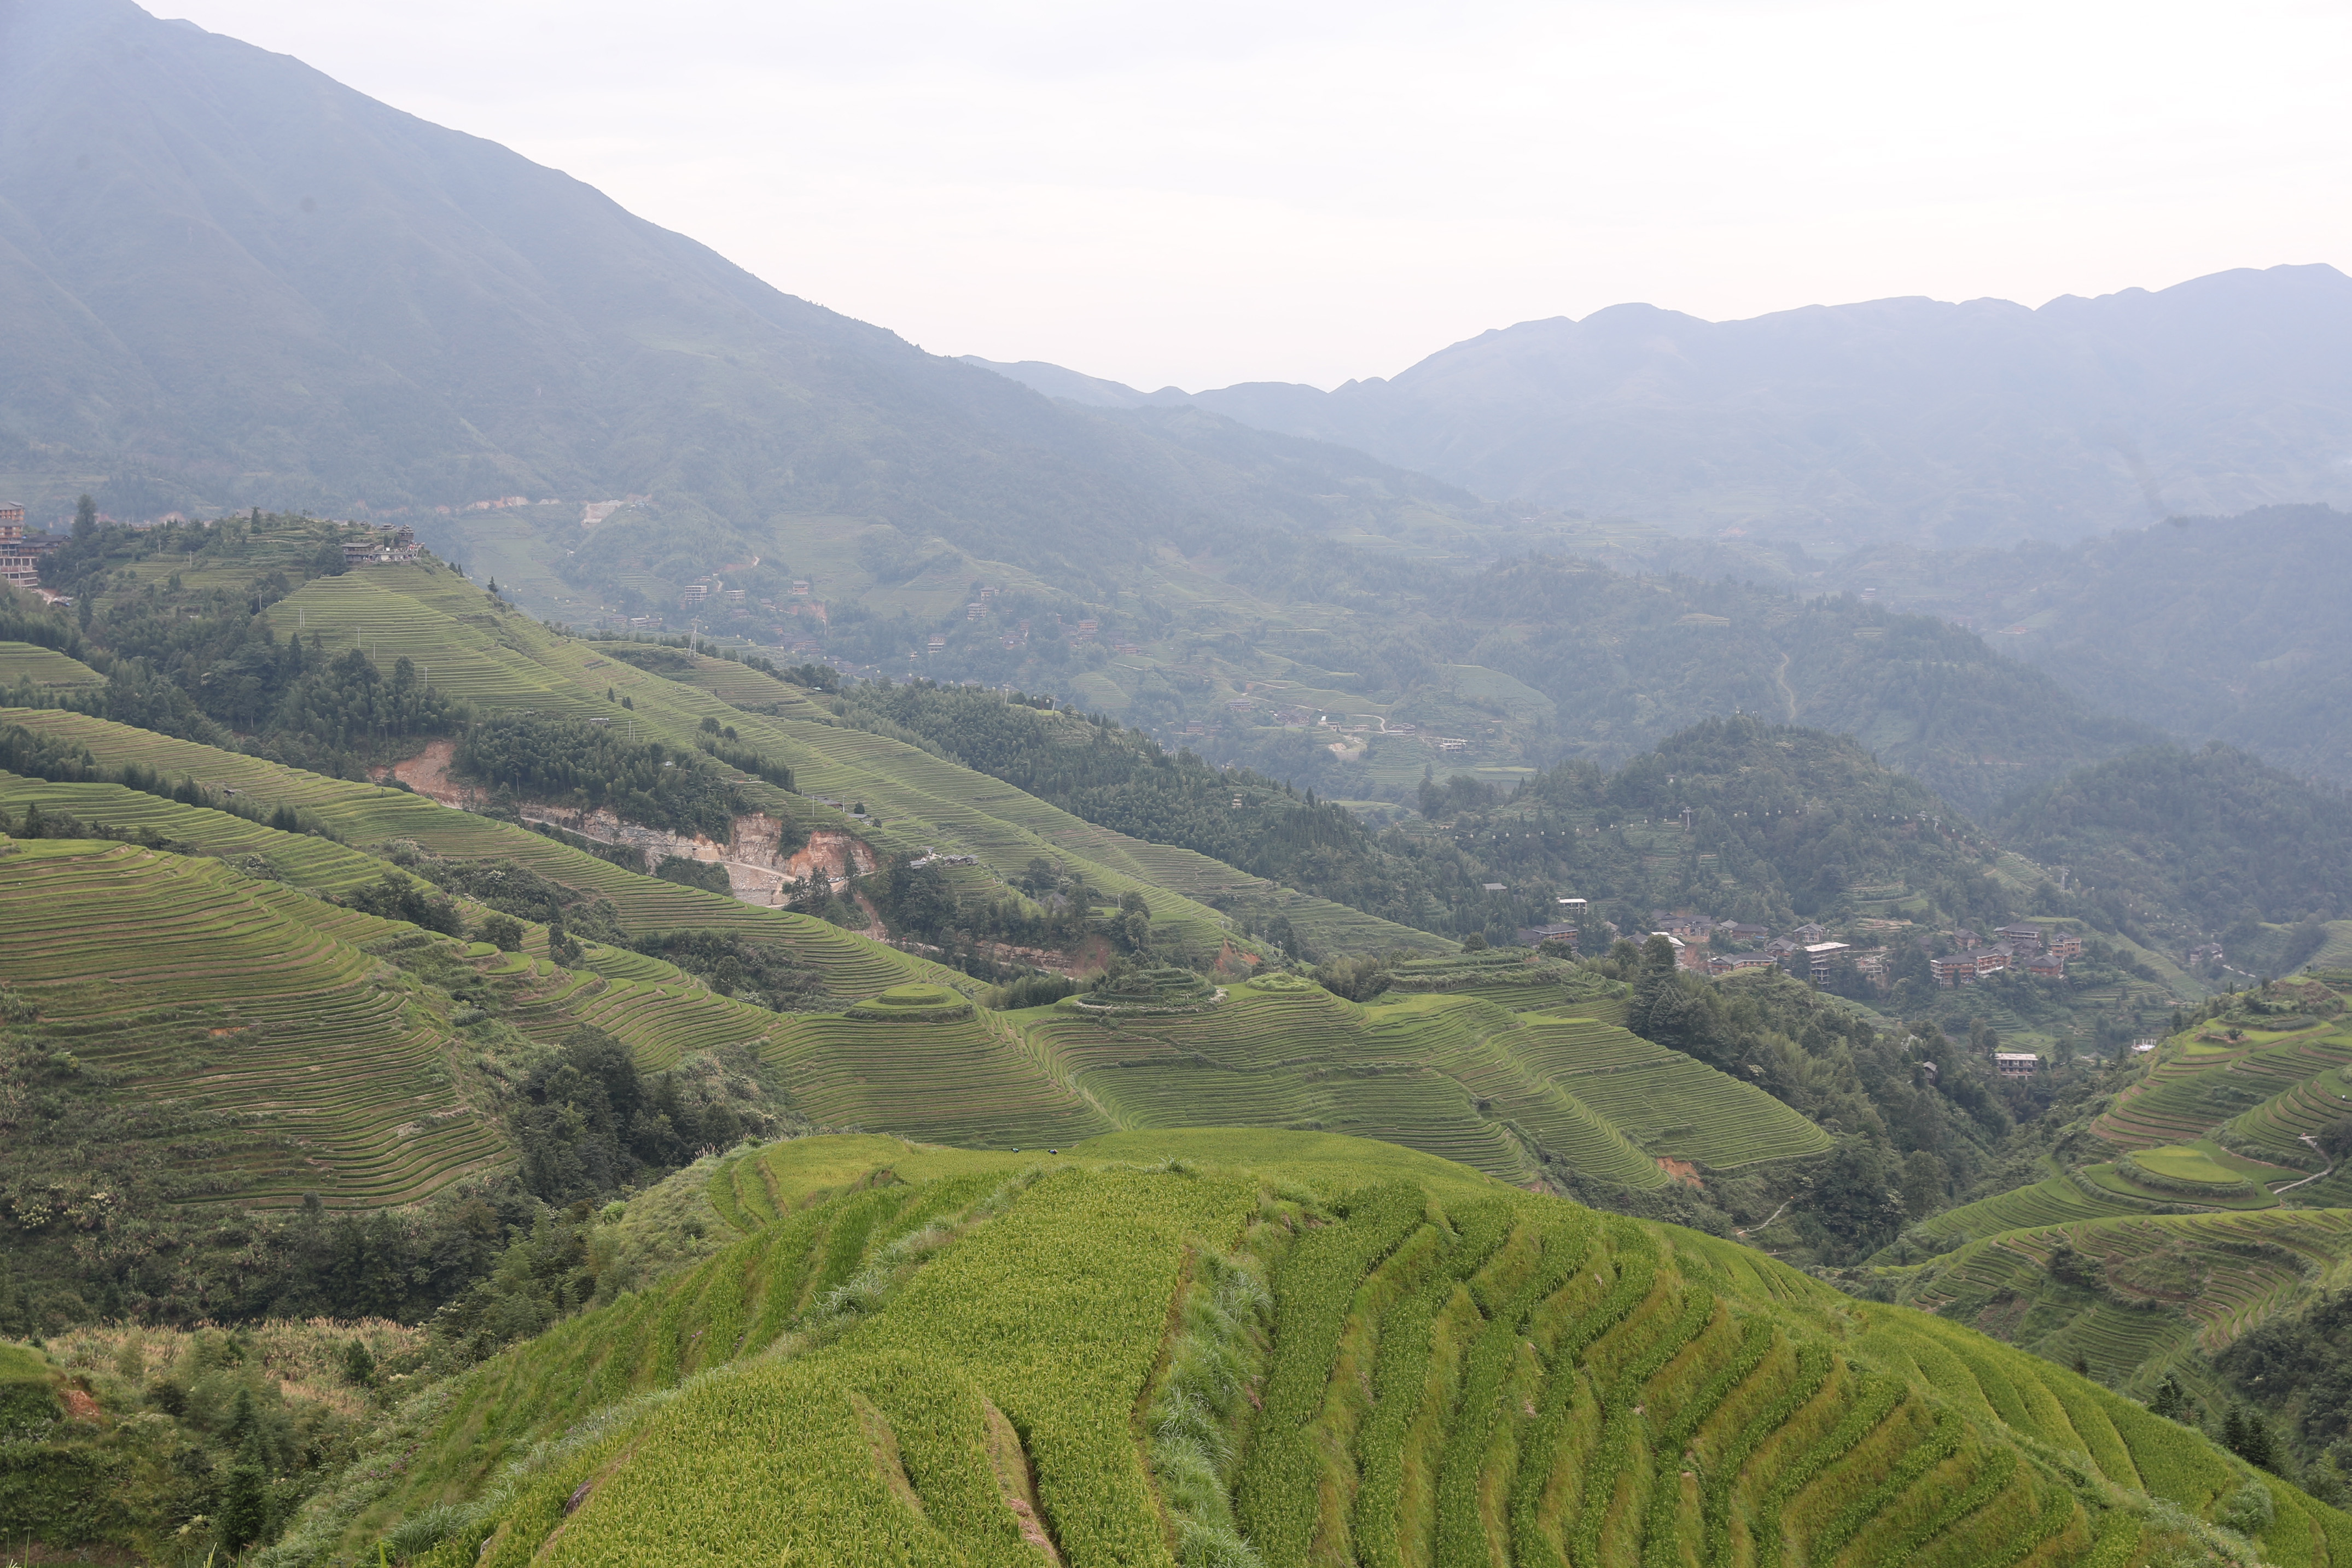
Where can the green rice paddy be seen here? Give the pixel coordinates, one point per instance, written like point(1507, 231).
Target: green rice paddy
point(985, 1358)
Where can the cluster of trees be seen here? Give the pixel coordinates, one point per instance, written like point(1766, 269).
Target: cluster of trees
point(734, 968)
point(572, 762)
point(1908, 1135)
point(590, 1125)
point(1783, 821)
point(206, 664)
point(1125, 780)
point(2173, 845)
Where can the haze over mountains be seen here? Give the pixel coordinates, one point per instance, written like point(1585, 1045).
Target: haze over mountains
point(226, 281)
point(1935, 423)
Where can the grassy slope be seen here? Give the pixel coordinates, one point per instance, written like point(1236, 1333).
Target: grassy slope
point(1454, 1370)
point(191, 983)
point(44, 667)
point(501, 661)
point(1453, 1074)
point(2172, 1274)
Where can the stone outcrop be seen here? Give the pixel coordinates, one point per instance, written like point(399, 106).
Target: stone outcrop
point(759, 870)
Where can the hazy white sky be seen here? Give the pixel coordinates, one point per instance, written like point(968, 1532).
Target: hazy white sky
point(1214, 191)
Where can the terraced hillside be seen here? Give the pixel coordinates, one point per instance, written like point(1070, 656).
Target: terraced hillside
point(43, 668)
point(1159, 1346)
point(1456, 1076)
point(2220, 1213)
point(293, 1029)
point(2134, 1295)
point(1525, 1096)
point(188, 983)
point(501, 661)
point(848, 965)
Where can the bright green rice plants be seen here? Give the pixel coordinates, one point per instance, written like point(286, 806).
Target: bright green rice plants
point(1614, 1454)
point(913, 1004)
point(2117, 1541)
point(1636, 1258)
point(1063, 1332)
point(1659, 1548)
point(1400, 1377)
point(1995, 1473)
point(1312, 1289)
point(1194, 1417)
point(1840, 1526)
point(1461, 1530)
point(1813, 1366)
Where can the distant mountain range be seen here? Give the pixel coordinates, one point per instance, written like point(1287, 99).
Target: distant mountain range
point(227, 280)
point(1912, 419)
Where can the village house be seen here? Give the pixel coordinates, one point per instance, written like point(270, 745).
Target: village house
point(2016, 1064)
point(1810, 933)
point(380, 547)
point(1964, 939)
point(2066, 944)
point(1740, 931)
point(1965, 968)
point(1818, 955)
point(1734, 963)
point(19, 567)
point(1557, 931)
point(2045, 967)
point(2021, 936)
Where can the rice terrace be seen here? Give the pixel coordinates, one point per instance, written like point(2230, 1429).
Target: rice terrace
point(644, 922)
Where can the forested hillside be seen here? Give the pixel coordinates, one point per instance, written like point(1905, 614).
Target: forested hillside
point(2211, 628)
point(322, 302)
point(2179, 847)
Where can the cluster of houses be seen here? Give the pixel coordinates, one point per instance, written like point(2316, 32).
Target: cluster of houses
point(2038, 951)
point(1809, 951)
point(380, 547)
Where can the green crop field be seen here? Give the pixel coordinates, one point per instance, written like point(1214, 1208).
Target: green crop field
point(44, 667)
point(1159, 1346)
point(194, 984)
point(851, 966)
point(502, 662)
point(1452, 1075)
point(2050, 1202)
point(2164, 1283)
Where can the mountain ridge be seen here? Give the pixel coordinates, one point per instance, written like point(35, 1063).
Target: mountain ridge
point(1943, 422)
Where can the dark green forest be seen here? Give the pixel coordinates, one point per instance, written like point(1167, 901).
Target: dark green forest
point(206, 664)
point(591, 765)
point(2174, 845)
